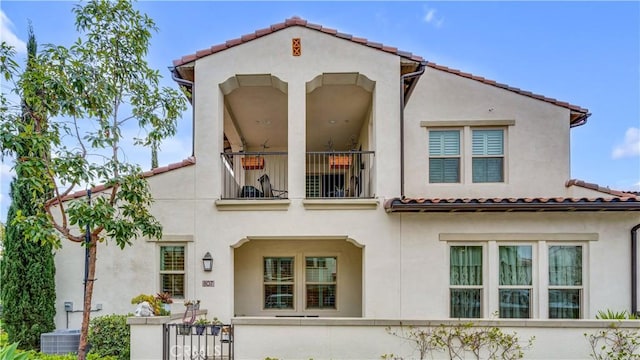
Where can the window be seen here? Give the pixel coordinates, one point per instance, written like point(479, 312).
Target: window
point(515, 285)
point(565, 282)
point(172, 270)
point(321, 276)
point(488, 156)
point(504, 277)
point(325, 186)
point(465, 281)
point(444, 156)
point(278, 282)
point(313, 186)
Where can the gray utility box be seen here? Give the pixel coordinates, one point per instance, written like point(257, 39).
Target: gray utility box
point(60, 341)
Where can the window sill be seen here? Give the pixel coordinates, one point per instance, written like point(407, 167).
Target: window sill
point(340, 204)
point(250, 205)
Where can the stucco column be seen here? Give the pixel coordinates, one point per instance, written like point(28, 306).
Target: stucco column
point(208, 130)
point(297, 138)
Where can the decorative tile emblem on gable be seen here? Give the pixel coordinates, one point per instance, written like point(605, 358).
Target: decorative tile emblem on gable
point(296, 47)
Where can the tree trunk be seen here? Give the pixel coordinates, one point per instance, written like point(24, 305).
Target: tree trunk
point(86, 310)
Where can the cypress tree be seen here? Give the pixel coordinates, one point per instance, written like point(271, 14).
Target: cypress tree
point(28, 270)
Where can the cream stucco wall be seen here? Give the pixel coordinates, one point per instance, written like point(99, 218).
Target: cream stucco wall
point(425, 256)
point(272, 55)
point(536, 145)
point(248, 274)
point(124, 274)
point(369, 339)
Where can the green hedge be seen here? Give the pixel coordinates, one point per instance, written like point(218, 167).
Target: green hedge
point(40, 356)
point(109, 335)
point(9, 352)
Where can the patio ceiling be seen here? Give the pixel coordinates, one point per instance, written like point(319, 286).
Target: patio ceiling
point(256, 112)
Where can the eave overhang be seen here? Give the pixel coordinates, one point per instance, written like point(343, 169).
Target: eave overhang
point(398, 205)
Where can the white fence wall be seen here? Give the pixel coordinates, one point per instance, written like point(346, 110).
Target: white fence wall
point(288, 338)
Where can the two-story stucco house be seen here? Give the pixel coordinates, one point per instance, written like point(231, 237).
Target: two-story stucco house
point(341, 184)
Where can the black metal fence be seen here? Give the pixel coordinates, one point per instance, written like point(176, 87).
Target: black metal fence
point(197, 342)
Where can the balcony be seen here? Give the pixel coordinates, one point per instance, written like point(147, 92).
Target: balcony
point(339, 174)
point(329, 175)
point(254, 175)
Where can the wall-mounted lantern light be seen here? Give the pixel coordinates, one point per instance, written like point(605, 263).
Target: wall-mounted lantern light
point(207, 262)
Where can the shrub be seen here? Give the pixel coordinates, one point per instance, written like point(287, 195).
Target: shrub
point(4, 338)
point(462, 341)
point(614, 343)
point(11, 353)
point(614, 315)
point(32, 355)
point(109, 335)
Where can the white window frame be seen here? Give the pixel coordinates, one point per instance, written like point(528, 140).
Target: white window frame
point(581, 288)
point(483, 301)
point(466, 156)
point(540, 244)
point(182, 272)
point(459, 156)
point(502, 156)
point(534, 276)
point(307, 282)
point(292, 283)
point(300, 282)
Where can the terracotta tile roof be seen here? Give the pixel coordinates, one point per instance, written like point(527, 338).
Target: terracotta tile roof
point(596, 187)
point(159, 170)
point(294, 21)
point(564, 104)
point(630, 203)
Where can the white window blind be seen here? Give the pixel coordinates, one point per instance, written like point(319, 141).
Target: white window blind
point(488, 156)
point(172, 270)
point(444, 156)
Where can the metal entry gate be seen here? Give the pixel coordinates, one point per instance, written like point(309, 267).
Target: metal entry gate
point(197, 342)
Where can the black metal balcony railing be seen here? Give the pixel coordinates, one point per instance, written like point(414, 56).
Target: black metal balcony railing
point(333, 174)
point(197, 342)
point(254, 175)
point(329, 175)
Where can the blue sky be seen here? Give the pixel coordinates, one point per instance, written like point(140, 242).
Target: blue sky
point(585, 53)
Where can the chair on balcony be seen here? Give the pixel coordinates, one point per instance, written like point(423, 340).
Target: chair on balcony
point(354, 187)
point(267, 190)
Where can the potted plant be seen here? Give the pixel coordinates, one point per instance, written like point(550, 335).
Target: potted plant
point(214, 328)
point(201, 325)
point(253, 163)
point(183, 329)
point(192, 304)
point(165, 301)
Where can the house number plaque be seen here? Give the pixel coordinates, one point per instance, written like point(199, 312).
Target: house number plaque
point(208, 283)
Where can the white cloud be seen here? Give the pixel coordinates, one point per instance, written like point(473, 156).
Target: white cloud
point(630, 146)
point(7, 35)
point(430, 17)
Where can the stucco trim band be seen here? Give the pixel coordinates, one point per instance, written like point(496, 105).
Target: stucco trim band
point(251, 205)
point(519, 237)
point(340, 204)
point(457, 123)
